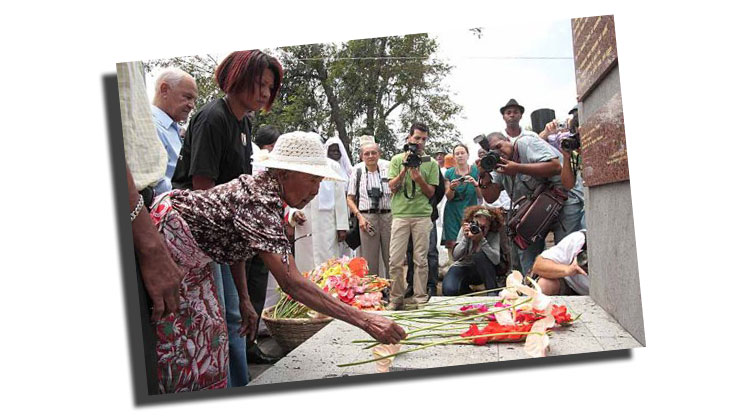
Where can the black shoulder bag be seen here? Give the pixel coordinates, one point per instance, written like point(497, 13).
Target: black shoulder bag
point(353, 240)
point(531, 217)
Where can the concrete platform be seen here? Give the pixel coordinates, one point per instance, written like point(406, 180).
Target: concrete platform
point(318, 357)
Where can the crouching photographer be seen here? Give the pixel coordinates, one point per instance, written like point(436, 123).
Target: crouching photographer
point(477, 251)
point(563, 269)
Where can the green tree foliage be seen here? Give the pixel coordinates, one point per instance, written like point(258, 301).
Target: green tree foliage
point(376, 86)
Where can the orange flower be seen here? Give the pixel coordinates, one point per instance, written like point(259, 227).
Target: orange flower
point(358, 266)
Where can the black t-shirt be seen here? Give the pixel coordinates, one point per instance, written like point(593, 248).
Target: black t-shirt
point(216, 145)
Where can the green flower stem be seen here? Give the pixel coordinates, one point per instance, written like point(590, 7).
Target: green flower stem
point(442, 342)
point(468, 318)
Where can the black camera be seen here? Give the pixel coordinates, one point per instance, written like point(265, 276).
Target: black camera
point(571, 143)
point(474, 228)
point(413, 159)
point(490, 161)
point(374, 194)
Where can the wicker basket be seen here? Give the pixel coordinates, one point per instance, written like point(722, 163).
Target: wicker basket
point(289, 333)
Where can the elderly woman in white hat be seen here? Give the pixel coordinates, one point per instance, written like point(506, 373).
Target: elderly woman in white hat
point(229, 224)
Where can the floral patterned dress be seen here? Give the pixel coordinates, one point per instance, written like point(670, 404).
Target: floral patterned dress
point(228, 223)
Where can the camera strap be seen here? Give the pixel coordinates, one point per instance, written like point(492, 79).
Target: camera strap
point(575, 163)
point(412, 193)
point(359, 176)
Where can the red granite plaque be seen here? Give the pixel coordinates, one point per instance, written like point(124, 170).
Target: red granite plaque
point(594, 50)
point(603, 145)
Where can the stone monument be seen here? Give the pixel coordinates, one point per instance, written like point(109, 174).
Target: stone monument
point(615, 283)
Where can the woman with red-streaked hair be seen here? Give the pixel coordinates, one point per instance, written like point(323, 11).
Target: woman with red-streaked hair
point(218, 143)
point(217, 148)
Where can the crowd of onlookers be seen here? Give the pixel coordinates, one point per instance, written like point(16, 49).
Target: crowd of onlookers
point(228, 214)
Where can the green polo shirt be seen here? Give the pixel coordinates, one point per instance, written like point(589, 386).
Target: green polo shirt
point(419, 205)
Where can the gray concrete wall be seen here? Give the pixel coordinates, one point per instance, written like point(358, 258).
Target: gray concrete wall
point(615, 280)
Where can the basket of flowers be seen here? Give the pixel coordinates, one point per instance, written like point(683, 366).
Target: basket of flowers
point(289, 333)
point(292, 323)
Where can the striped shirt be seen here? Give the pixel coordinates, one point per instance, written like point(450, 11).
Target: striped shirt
point(376, 179)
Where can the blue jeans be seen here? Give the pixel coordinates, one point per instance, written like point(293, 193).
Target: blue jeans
point(572, 219)
point(459, 277)
point(230, 300)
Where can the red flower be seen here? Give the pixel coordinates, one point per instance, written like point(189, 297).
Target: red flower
point(502, 333)
point(526, 317)
point(473, 331)
point(358, 266)
point(560, 315)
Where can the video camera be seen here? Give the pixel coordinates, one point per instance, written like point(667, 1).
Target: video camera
point(490, 161)
point(413, 159)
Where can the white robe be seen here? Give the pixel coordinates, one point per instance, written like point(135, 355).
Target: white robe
point(323, 225)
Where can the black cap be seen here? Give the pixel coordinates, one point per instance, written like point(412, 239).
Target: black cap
point(574, 109)
point(510, 103)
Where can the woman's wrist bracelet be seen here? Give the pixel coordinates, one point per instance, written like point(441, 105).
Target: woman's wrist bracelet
point(138, 208)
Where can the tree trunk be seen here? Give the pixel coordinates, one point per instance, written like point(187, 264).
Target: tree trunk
point(375, 98)
point(336, 114)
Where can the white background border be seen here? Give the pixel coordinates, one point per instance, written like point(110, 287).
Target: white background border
point(65, 342)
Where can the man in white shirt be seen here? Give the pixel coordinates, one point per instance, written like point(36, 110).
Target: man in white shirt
point(563, 268)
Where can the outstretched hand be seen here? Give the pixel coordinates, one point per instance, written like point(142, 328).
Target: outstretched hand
point(383, 329)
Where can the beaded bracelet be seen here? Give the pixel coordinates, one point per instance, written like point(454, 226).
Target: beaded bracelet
point(138, 208)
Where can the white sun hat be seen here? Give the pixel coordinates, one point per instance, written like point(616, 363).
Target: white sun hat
point(300, 152)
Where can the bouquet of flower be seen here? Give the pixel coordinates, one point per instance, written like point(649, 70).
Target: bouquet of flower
point(523, 313)
point(345, 279)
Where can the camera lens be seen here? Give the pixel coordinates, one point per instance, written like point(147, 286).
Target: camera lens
point(474, 228)
point(489, 162)
point(571, 143)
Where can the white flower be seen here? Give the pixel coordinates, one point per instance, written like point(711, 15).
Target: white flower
point(379, 351)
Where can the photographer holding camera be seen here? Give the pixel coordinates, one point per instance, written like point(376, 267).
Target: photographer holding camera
point(413, 180)
point(520, 169)
point(477, 251)
point(368, 197)
point(564, 137)
point(462, 190)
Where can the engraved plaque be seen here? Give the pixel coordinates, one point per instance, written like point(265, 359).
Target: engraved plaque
point(604, 146)
point(594, 50)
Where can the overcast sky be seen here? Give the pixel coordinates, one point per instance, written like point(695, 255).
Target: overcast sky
point(505, 63)
point(489, 71)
